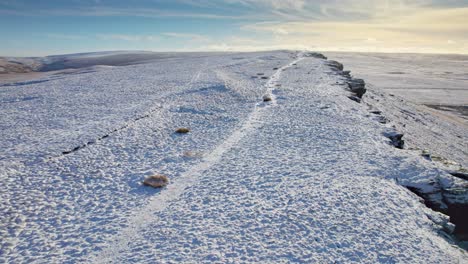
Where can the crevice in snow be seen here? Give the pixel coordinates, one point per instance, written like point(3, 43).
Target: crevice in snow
point(92, 142)
point(460, 175)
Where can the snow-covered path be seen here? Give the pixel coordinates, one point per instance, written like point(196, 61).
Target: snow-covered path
point(308, 177)
point(144, 216)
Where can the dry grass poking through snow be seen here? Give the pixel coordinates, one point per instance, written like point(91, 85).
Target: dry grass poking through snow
point(191, 154)
point(266, 98)
point(156, 181)
point(182, 130)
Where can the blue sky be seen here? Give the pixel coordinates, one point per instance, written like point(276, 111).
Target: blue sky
point(46, 27)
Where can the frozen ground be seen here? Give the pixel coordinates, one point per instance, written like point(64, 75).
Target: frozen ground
point(425, 95)
point(308, 177)
point(420, 78)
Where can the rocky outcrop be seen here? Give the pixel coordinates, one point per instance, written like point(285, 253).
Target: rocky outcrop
point(446, 193)
point(335, 65)
point(450, 198)
point(356, 86)
point(315, 55)
point(396, 139)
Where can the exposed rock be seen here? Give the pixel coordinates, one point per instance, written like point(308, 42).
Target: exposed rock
point(443, 221)
point(460, 175)
point(397, 139)
point(315, 55)
point(355, 98)
point(458, 213)
point(426, 155)
point(450, 199)
point(357, 86)
point(335, 65)
point(382, 119)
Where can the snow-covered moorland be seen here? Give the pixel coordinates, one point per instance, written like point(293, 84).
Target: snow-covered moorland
point(308, 176)
point(434, 87)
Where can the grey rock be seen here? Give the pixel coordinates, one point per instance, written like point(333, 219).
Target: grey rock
point(335, 65)
point(357, 86)
point(316, 55)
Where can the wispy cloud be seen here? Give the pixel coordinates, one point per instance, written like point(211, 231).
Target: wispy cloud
point(117, 12)
point(65, 36)
point(125, 37)
point(192, 37)
point(357, 25)
point(152, 38)
point(395, 32)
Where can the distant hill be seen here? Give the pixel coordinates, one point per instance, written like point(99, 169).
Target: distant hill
point(83, 60)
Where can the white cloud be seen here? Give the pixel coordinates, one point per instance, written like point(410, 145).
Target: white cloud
point(65, 36)
point(356, 25)
point(124, 37)
point(275, 4)
point(192, 37)
point(425, 30)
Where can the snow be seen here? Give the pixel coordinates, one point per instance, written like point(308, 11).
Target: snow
point(419, 78)
point(306, 177)
point(403, 95)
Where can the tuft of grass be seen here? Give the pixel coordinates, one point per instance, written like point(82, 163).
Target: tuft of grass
point(182, 130)
point(156, 181)
point(266, 98)
point(190, 154)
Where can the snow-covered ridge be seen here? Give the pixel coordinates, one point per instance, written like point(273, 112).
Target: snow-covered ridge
point(448, 192)
point(306, 177)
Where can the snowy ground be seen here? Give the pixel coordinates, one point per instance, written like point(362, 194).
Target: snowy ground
point(419, 78)
point(307, 177)
point(424, 95)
